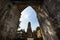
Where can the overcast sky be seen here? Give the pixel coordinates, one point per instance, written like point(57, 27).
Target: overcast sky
point(28, 15)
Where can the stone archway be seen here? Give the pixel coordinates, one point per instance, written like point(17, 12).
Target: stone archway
point(44, 20)
point(48, 32)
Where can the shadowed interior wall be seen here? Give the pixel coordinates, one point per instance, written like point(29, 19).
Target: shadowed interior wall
point(53, 7)
point(9, 22)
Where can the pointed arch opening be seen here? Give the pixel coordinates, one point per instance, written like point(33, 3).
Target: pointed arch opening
point(29, 16)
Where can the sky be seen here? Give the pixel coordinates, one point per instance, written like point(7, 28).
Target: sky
point(28, 15)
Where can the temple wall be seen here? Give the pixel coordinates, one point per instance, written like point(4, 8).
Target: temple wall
point(53, 8)
point(9, 22)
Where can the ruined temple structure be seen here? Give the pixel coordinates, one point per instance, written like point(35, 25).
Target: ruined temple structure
point(30, 35)
point(29, 30)
point(48, 14)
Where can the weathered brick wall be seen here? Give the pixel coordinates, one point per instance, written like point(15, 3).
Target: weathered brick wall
point(10, 23)
point(53, 8)
point(9, 17)
point(2, 3)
